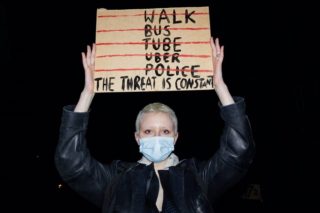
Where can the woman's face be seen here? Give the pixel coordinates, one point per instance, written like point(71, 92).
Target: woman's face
point(156, 124)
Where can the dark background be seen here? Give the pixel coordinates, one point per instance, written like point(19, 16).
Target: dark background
point(266, 62)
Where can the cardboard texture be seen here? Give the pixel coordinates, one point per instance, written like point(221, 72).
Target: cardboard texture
point(160, 49)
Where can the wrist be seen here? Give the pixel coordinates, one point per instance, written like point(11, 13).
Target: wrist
point(223, 94)
point(220, 86)
point(84, 101)
point(87, 93)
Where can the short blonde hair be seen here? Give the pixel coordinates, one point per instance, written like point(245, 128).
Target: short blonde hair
point(157, 107)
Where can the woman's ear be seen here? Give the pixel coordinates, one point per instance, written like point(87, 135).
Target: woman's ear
point(137, 137)
point(176, 138)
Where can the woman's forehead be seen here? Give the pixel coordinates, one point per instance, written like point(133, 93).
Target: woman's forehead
point(156, 117)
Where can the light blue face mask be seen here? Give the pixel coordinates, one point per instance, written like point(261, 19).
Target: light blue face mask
point(157, 148)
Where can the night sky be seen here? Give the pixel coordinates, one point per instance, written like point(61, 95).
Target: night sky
point(41, 72)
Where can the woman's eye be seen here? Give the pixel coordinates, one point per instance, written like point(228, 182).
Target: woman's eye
point(147, 131)
point(166, 131)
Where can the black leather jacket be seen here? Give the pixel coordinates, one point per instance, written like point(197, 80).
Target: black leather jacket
point(193, 186)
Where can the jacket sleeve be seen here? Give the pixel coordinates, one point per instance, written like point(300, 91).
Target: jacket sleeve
point(73, 161)
point(235, 154)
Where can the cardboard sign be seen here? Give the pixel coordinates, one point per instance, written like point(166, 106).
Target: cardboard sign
point(161, 49)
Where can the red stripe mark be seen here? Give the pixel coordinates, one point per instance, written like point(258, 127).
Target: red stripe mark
point(139, 69)
point(142, 29)
point(169, 55)
point(150, 14)
point(188, 28)
point(138, 43)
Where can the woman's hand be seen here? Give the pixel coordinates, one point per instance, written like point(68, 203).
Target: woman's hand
point(88, 62)
point(218, 82)
point(217, 59)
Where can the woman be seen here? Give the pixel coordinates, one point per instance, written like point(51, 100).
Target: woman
point(159, 181)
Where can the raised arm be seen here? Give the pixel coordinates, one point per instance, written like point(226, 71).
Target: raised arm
point(87, 94)
point(73, 160)
point(236, 151)
point(218, 82)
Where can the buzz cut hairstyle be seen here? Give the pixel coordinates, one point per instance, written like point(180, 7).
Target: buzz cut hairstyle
point(157, 107)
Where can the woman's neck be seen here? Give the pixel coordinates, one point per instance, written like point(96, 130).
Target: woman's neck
point(160, 165)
